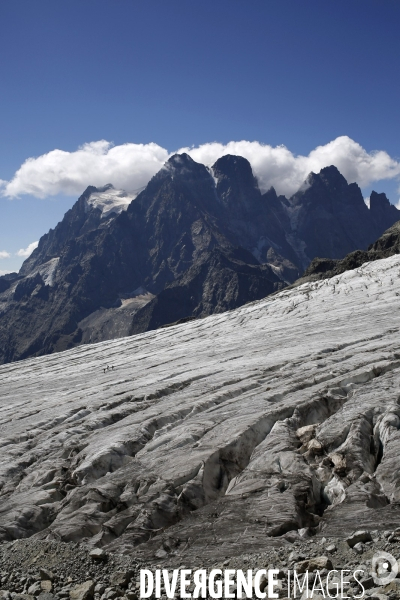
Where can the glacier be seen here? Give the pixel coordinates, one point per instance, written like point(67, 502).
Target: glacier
point(218, 436)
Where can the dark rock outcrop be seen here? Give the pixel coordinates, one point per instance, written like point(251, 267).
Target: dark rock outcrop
point(259, 222)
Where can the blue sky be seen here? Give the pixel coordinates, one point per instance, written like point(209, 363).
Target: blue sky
point(298, 73)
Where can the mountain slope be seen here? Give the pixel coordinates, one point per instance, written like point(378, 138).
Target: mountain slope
point(215, 284)
point(92, 262)
point(215, 437)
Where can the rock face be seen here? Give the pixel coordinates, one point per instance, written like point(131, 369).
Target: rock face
point(278, 420)
point(331, 217)
point(259, 223)
point(194, 242)
point(218, 282)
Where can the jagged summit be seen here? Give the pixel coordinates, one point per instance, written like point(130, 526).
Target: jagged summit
point(236, 185)
point(382, 211)
point(179, 170)
point(181, 160)
point(183, 165)
point(236, 168)
point(332, 174)
point(331, 217)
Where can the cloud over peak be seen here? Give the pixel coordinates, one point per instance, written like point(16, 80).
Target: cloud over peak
point(130, 166)
point(285, 171)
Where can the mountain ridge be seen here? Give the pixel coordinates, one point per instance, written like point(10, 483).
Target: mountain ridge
point(198, 240)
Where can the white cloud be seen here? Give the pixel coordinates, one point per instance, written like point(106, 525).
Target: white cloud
point(2, 272)
point(286, 172)
point(27, 251)
point(130, 166)
point(4, 254)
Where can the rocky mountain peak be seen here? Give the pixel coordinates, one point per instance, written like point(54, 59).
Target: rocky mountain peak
point(331, 216)
point(378, 201)
point(328, 180)
point(382, 211)
point(271, 197)
point(108, 200)
point(236, 185)
point(179, 160)
point(236, 169)
point(331, 175)
point(183, 168)
point(91, 211)
point(182, 164)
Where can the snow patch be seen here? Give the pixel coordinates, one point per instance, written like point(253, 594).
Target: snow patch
point(47, 271)
point(276, 270)
point(109, 200)
point(211, 171)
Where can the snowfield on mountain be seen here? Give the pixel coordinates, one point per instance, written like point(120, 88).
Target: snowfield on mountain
point(109, 200)
point(225, 434)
